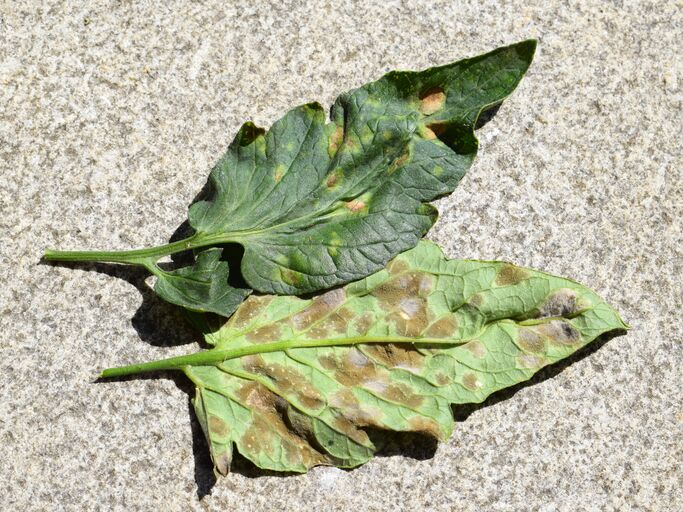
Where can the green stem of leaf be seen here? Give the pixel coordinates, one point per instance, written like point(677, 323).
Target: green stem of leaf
point(209, 357)
point(133, 257)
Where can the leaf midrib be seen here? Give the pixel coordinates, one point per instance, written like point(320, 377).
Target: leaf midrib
point(212, 356)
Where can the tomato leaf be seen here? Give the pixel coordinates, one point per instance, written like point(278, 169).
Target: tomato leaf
point(317, 204)
point(294, 383)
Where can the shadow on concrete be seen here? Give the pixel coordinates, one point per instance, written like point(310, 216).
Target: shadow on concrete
point(156, 321)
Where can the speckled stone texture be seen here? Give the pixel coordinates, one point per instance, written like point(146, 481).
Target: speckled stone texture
point(112, 114)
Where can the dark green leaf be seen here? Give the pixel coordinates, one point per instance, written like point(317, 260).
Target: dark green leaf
point(202, 287)
point(319, 204)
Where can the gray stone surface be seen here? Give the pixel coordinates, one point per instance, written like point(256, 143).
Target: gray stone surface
point(111, 115)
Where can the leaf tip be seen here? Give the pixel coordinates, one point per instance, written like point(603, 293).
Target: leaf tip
point(528, 46)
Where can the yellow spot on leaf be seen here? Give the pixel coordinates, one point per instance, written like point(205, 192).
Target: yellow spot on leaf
point(428, 134)
point(334, 178)
point(399, 162)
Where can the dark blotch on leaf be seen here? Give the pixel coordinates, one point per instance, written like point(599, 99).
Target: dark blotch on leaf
point(560, 332)
point(511, 275)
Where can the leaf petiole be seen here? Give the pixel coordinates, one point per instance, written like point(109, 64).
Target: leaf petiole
point(143, 257)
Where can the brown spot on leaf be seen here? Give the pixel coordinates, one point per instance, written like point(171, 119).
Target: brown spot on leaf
point(253, 363)
point(344, 399)
point(476, 299)
point(328, 362)
point(562, 302)
point(290, 382)
point(279, 173)
point(432, 100)
point(317, 332)
point(471, 382)
point(393, 355)
point(398, 162)
point(357, 358)
point(511, 275)
point(433, 130)
point(355, 206)
point(529, 340)
point(476, 348)
point(530, 361)
point(291, 277)
point(311, 403)
point(245, 391)
point(268, 433)
point(264, 334)
point(426, 426)
point(268, 430)
point(404, 299)
point(320, 307)
point(346, 427)
point(257, 437)
point(402, 394)
point(250, 309)
point(348, 405)
point(335, 177)
point(222, 462)
point(364, 322)
point(349, 372)
point(411, 319)
point(442, 379)
point(338, 321)
point(218, 426)
point(407, 285)
point(560, 332)
point(301, 424)
point(335, 140)
point(444, 327)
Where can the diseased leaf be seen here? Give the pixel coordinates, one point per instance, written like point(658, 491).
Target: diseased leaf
point(294, 383)
point(202, 287)
point(317, 204)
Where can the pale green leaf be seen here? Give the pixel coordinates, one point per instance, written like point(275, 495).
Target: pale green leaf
point(293, 383)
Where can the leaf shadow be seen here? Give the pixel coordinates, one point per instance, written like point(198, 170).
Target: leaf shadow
point(487, 115)
point(204, 476)
point(156, 321)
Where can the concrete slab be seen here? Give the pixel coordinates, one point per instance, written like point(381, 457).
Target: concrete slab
point(111, 115)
